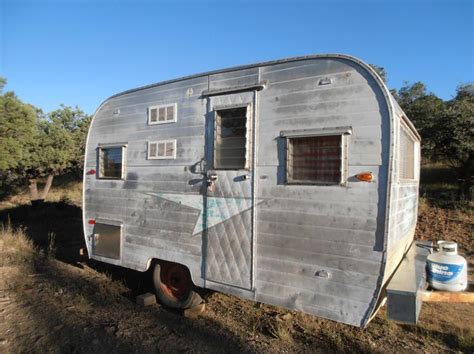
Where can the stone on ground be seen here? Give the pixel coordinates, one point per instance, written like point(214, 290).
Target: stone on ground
point(146, 299)
point(195, 311)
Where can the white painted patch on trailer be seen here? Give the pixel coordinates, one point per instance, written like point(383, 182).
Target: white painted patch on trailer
point(218, 209)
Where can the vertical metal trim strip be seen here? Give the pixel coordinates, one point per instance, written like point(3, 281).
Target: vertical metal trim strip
point(253, 258)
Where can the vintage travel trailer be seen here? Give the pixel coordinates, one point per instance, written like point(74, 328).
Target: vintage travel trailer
point(292, 182)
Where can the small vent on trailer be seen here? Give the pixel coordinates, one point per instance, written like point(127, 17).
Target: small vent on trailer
point(165, 149)
point(162, 114)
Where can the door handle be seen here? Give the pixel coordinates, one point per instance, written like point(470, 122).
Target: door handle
point(211, 180)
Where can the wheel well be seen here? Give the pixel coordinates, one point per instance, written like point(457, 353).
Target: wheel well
point(152, 261)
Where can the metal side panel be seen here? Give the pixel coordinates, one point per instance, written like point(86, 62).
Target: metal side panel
point(403, 300)
point(107, 240)
point(228, 244)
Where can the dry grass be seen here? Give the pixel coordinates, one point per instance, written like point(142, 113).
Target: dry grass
point(282, 331)
point(70, 192)
point(61, 191)
point(15, 247)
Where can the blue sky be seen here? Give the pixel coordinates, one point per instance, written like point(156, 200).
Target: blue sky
point(81, 52)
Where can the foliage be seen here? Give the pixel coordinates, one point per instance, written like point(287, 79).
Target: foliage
point(410, 93)
point(35, 145)
point(456, 142)
point(446, 127)
point(3, 83)
point(465, 90)
point(17, 123)
point(426, 111)
point(60, 143)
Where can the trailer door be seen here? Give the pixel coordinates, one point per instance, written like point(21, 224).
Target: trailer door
point(228, 239)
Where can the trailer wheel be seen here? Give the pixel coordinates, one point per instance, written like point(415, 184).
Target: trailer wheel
point(174, 287)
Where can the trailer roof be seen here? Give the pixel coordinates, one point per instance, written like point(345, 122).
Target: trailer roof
point(351, 58)
point(248, 66)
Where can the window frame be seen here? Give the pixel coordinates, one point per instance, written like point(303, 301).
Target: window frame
point(416, 153)
point(100, 147)
point(173, 157)
point(343, 132)
point(165, 106)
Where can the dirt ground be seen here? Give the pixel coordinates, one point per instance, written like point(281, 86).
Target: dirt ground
point(53, 300)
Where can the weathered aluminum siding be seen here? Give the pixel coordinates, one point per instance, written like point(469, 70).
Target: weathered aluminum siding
point(403, 204)
point(153, 226)
point(306, 229)
point(301, 231)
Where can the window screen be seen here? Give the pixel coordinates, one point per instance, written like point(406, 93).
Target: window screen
point(407, 154)
point(110, 162)
point(162, 114)
point(165, 149)
point(230, 145)
point(315, 159)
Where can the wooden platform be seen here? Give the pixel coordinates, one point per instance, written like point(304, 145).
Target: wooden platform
point(447, 296)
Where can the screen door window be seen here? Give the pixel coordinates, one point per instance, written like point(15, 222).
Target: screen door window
point(231, 139)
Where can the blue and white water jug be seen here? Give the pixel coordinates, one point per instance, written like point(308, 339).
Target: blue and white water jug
point(446, 269)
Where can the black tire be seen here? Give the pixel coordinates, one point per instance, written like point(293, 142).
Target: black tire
point(174, 287)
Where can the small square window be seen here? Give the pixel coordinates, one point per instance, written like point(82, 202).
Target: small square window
point(165, 149)
point(315, 160)
point(162, 114)
point(111, 162)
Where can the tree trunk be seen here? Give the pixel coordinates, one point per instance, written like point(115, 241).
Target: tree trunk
point(467, 189)
point(37, 198)
point(465, 172)
point(46, 187)
point(33, 187)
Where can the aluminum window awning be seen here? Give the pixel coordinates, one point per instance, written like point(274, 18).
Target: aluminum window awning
point(316, 131)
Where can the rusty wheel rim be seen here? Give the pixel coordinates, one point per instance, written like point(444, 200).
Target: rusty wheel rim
point(175, 280)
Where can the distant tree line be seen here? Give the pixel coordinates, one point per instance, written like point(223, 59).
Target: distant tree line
point(37, 146)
